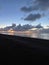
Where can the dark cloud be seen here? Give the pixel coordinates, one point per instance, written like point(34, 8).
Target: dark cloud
point(37, 5)
point(43, 4)
point(29, 9)
point(33, 17)
point(26, 9)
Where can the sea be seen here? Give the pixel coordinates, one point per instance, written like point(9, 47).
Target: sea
point(31, 35)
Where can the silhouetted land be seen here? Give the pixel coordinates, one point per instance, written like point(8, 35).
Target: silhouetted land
point(22, 50)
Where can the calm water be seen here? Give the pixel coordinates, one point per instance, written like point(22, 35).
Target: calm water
point(33, 35)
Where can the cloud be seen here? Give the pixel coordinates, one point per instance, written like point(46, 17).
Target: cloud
point(29, 9)
point(43, 4)
point(26, 9)
point(33, 17)
point(37, 5)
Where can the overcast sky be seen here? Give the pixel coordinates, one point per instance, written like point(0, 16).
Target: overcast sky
point(24, 11)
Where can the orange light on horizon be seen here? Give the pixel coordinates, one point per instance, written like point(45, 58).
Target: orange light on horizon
point(11, 31)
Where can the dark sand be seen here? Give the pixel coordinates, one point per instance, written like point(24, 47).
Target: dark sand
point(22, 50)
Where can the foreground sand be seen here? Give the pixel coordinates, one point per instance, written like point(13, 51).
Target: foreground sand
point(24, 51)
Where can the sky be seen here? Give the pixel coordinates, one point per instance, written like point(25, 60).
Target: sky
point(24, 12)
